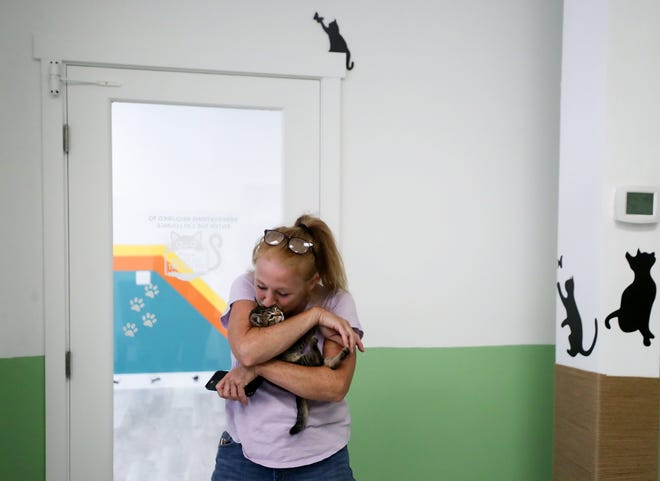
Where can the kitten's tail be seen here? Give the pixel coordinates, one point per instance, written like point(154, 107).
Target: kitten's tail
point(593, 344)
point(301, 417)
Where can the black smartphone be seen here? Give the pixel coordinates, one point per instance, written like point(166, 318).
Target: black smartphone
point(215, 379)
point(250, 389)
point(252, 386)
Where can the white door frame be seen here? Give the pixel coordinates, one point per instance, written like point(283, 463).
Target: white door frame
point(328, 68)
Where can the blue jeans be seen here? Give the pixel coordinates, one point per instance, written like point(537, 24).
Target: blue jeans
point(231, 465)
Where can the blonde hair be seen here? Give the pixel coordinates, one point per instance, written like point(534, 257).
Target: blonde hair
point(323, 258)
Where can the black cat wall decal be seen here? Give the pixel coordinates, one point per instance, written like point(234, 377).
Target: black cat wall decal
point(574, 321)
point(637, 299)
point(337, 42)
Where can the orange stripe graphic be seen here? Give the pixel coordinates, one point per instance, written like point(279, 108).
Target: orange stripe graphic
point(150, 258)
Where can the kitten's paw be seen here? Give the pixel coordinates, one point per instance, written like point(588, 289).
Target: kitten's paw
point(334, 362)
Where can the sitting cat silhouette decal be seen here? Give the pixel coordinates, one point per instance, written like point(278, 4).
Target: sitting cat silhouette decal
point(574, 321)
point(337, 42)
point(637, 299)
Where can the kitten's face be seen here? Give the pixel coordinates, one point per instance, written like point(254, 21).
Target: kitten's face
point(266, 316)
point(278, 284)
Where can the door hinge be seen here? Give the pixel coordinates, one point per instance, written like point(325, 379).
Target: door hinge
point(65, 138)
point(67, 364)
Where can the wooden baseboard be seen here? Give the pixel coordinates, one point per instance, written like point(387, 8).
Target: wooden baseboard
point(606, 427)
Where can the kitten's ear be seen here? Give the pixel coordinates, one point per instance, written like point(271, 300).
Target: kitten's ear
point(257, 301)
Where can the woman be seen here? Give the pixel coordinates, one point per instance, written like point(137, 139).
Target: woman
point(300, 270)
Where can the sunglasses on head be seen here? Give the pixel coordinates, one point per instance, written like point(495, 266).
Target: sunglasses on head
point(295, 244)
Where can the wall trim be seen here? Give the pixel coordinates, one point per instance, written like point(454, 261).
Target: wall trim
point(606, 427)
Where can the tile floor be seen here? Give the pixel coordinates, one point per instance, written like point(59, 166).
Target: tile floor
point(166, 433)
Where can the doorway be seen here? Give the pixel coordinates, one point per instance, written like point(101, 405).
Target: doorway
point(171, 177)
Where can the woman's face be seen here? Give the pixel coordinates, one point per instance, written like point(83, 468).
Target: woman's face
point(279, 284)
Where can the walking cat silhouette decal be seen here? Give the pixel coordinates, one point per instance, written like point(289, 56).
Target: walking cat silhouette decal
point(637, 299)
point(574, 321)
point(337, 42)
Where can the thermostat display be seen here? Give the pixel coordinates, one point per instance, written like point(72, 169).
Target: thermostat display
point(636, 204)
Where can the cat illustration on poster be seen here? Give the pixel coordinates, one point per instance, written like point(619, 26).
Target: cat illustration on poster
point(187, 256)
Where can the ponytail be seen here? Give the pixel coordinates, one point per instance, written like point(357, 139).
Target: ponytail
point(328, 261)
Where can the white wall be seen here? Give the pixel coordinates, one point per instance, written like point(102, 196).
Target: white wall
point(609, 124)
point(633, 149)
point(21, 284)
point(582, 151)
point(450, 152)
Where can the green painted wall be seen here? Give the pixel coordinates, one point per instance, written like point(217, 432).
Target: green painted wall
point(458, 414)
point(22, 417)
point(418, 415)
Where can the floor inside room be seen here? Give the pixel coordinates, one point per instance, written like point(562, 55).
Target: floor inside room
point(166, 433)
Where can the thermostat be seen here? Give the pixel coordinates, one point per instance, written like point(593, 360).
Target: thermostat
point(636, 204)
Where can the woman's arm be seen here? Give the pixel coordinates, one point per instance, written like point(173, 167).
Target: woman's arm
point(315, 383)
point(253, 345)
point(256, 345)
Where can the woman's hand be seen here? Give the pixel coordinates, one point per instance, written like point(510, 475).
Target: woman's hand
point(338, 330)
point(232, 386)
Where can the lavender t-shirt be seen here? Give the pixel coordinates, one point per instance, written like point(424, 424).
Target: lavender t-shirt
point(262, 427)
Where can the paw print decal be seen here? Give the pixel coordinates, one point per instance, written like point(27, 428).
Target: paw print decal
point(130, 329)
point(149, 319)
point(142, 314)
point(151, 290)
point(137, 304)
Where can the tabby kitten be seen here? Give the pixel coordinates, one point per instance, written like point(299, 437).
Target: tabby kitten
point(305, 351)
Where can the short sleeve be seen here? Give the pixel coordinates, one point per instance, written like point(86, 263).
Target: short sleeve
point(343, 305)
point(241, 289)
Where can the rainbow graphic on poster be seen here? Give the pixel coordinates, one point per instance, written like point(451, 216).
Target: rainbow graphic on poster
point(162, 323)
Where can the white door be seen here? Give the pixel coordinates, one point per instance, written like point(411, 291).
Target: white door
point(150, 176)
